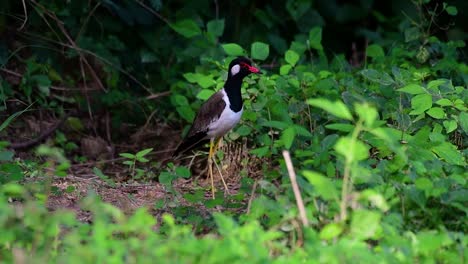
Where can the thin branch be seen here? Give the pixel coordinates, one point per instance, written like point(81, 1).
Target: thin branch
point(52, 87)
point(297, 192)
point(85, 22)
point(72, 43)
point(216, 9)
point(252, 195)
point(25, 16)
point(48, 132)
point(155, 96)
point(153, 12)
point(102, 59)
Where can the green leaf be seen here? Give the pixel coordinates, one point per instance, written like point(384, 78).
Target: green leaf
point(460, 105)
point(436, 112)
point(285, 69)
point(302, 131)
point(166, 178)
point(451, 10)
point(186, 112)
point(330, 231)
point(127, 155)
point(183, 172)
point(420, 103)
point(243, 130)
point(315, 38)
point(450, 125)
point(367, 113)
point(180, 99)
point(411, 34)
point(205, 81)
point(144, 152)
point(340, 127)
point(337, 108)
point(6, 155)
point(232, 49)
point(205, 94)
point(375, 51)
point(376, 76)
point(435, 84)
point(216, 27)
point(259, 50)
point(187, 28)
point(423, 184)
point(291, 57)
point(365, 224)
point(12, 117)
point(375, 198)
point(412, 89)
point(322, 185)
point(275, 124)
point(191, 77)
point(462, 119)
point(353, 150)
point(98, 172)
point(288, 136)
point(449, 153)
point(444, 102)
point(43, 83)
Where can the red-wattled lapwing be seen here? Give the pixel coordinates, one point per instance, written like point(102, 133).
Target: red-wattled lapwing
point(219, 114)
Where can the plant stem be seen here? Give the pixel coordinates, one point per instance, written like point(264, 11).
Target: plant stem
point(347, 185)
point(297, 192)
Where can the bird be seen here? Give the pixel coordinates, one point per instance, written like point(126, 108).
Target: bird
point(218, 115)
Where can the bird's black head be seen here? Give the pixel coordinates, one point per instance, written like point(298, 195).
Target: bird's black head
point(241, 66)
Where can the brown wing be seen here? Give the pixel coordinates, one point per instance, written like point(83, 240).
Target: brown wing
point(209, 111)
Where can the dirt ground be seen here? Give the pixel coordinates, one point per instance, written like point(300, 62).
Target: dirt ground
point(99, 150)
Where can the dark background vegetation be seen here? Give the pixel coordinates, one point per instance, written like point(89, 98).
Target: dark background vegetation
point(133, 38)
point(369, 97)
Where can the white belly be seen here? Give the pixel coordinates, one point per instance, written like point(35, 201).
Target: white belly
point(228, 120)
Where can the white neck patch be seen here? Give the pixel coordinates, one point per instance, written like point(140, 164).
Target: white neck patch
point(235, 69)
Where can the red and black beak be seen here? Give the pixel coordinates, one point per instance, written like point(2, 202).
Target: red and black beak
point(251, 69)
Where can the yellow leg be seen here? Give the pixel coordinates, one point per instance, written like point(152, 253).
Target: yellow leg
point(216, 164)
point(217, 144)
point(210, 169)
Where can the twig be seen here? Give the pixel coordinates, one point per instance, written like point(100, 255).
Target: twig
point(25, 15)
point(216, 9)
point(11, 72)
point(154, 96)
point(43, 136)
point(297, 192)
point(53, 87)
point(153, 12)
point(249, 204)
point(85, 22)
point(102, 59)
point(61, 26)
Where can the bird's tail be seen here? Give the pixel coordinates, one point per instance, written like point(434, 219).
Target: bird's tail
point(190, 143)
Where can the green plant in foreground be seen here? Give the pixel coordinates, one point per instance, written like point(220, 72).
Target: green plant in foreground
point(132, 159)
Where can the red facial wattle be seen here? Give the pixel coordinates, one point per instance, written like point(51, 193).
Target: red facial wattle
point(252, 69)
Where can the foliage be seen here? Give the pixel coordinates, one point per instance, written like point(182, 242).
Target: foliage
point(132, 159)
point(378, 143)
